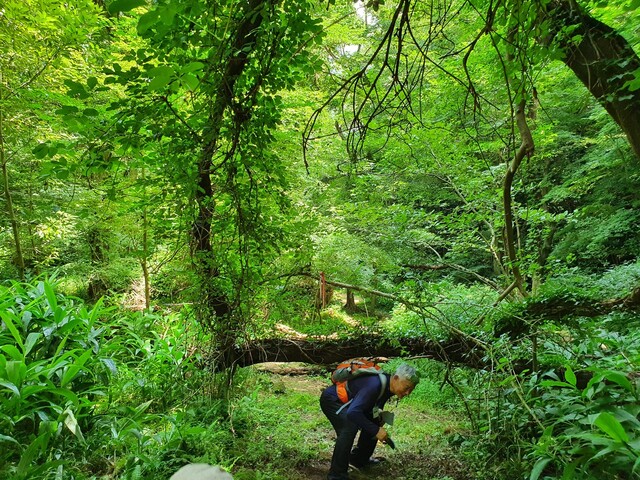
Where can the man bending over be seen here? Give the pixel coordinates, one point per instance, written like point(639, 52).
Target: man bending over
point(366, 393)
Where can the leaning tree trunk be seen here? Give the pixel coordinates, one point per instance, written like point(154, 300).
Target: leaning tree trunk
point(603, 60)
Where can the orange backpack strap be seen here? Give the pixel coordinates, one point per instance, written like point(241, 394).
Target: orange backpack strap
point(343, 393)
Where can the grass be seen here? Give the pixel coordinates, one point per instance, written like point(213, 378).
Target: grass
point(286, 436)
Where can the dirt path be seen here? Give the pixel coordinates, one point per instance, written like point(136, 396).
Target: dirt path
point(422, 454)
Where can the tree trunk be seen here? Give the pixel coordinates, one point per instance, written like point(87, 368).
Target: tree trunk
point(604, 61)
point(459, 349)
point(145, 257)
point(350, 306)
point(332, 351)
point(19, 259)
point(525, 149)
point(215, 302)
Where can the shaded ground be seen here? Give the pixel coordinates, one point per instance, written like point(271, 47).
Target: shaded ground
point(403, 466)
point(420, 434)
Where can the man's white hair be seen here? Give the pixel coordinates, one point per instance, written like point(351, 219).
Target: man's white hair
point(407, 372)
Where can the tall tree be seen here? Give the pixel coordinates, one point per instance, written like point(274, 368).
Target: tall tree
point(599, 55)
point(206, 90)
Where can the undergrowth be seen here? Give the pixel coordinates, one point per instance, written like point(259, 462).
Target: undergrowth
point(98, 393)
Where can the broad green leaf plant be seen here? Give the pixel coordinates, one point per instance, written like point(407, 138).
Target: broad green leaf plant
point(52, 369)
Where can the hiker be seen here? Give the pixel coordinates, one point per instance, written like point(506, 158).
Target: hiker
point(367, 395)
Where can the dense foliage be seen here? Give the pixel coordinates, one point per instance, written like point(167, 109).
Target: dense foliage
point(184, 179)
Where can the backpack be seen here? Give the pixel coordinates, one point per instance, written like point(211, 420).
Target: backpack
point(354, 368)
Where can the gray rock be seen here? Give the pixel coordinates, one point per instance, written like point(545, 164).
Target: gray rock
point(201, 471)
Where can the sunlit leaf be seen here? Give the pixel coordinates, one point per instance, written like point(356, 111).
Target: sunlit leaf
point(570, 376)
point(31, 341)
point(10, 386)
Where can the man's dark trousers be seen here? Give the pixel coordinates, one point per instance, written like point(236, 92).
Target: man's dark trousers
point(346, 432)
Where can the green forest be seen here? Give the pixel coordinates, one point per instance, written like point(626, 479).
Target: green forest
point(206, 205)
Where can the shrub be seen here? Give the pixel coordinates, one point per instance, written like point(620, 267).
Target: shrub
point(51, 368)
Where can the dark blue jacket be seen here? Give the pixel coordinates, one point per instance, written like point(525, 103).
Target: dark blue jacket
point(363, 393)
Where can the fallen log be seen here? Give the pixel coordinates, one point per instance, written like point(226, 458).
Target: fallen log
point(331, 351)
point(290, 368)
point(541, 309)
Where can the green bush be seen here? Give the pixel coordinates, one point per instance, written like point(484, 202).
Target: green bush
point(52, 368)
point(590, 432)
point(560, 424)
point(113, 277)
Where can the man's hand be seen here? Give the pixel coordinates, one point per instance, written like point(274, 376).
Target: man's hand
point(382, 435)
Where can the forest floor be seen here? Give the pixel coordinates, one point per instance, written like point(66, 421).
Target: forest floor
point(420, 432)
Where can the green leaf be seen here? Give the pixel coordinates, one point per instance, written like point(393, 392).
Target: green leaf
point(32, 339)
point(191, 81)
point(570, 377)
point(75, 368)
point(6, 438)
point(147, 21)
point(66, 110)
point(606, 451)
point(111, 365)
point(67, 394)
point(538, 468)
point(10, 386)
point(125, 5)
point(7, 318)
point(51, 296)
point(160, 77)
point(569, 470)
point(30, 390)
point(72, 424)
point(619, 378)
point(13, 352)
point(76, 89)
point(16, 371)
point(192, 67)
point(611, 426)
point(554, 383)
point(31, 453)
point(41, 150)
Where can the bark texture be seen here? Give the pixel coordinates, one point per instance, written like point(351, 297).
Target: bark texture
point(603, 60)
point(328, 351)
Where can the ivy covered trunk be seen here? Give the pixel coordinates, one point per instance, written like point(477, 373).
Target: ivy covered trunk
point(217, 302)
